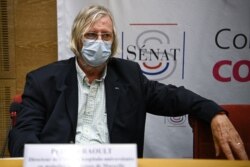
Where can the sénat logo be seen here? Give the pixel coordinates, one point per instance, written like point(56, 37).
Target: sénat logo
point(154, 52)
point(175, 121)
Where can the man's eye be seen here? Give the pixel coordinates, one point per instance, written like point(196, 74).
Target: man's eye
point(94, 36)
point(90, 35)
point(106, 36)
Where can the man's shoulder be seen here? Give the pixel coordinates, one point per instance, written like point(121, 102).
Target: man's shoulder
point(122, 62)
point(124, 68)
point(61, 65)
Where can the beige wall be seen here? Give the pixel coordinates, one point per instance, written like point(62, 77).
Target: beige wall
point(28, 40)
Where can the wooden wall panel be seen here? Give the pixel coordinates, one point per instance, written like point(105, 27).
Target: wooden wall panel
point(7, 69)
point(7, 45)
point(36, 36)
point(30, 35)
point(7, 91)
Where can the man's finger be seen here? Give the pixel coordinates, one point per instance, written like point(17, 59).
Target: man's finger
point(239, 150)
point(216, 147)
point(227, 151)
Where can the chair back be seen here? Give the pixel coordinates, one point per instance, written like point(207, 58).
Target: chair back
point(203, 145)
point(15, 107)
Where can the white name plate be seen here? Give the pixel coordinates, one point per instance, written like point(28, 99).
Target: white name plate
point(73, 155)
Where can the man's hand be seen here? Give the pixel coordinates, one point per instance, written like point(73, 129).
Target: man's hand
point(226, 138)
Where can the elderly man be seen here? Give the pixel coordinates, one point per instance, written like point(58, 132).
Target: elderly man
point(96, 98)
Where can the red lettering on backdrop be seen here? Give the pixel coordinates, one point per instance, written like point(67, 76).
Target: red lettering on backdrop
point(216, 70)
point(235, 71)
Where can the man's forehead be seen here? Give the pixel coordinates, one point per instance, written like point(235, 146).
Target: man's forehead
point(104, 21)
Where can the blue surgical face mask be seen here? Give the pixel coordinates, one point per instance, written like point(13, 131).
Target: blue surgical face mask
point(96, 52)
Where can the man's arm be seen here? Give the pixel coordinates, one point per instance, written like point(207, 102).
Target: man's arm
point(29, 120)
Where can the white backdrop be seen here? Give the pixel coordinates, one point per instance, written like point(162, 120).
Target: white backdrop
point(203, 45)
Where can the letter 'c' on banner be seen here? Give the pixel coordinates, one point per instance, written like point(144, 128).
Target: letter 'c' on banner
point(235, 71)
